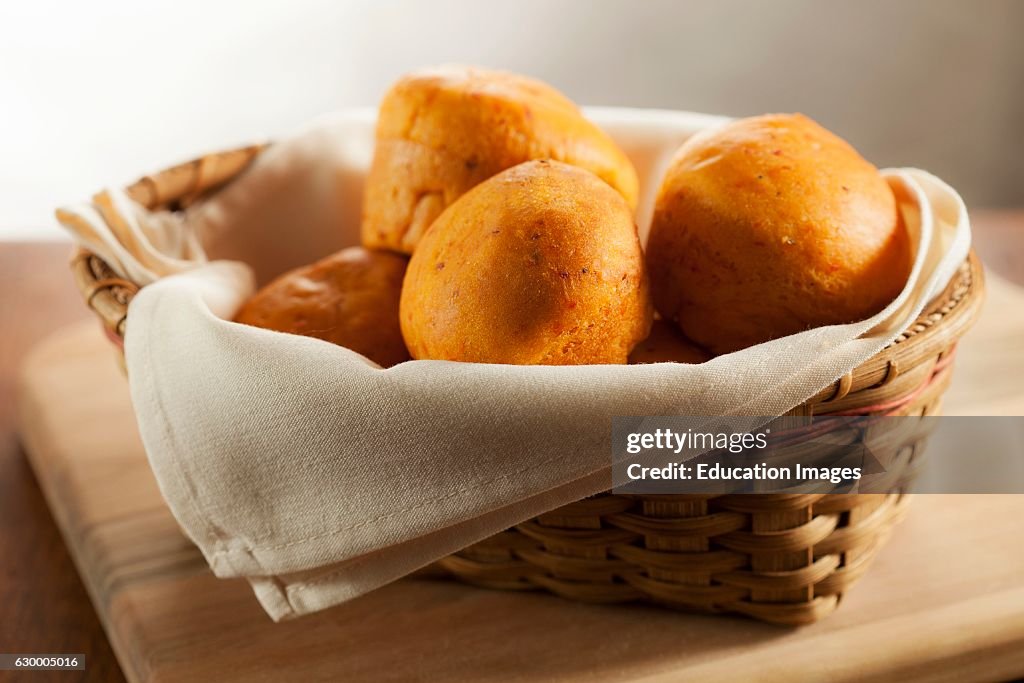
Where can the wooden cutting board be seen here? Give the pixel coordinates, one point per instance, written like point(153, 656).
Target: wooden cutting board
point(944, 601)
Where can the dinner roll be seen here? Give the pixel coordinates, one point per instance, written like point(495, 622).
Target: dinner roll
point(540, 265)
point(666, 344)
point(771, 225)
point(349, 298)
point(441, 131)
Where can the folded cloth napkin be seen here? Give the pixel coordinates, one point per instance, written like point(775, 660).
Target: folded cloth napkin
point(318, 476)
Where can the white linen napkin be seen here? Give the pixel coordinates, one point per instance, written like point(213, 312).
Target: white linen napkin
point(318, 476)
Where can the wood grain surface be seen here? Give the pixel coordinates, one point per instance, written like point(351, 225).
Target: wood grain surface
point(43, 605)
point(945, 601)
point(945, 597)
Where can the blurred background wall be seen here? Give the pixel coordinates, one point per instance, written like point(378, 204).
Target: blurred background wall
point(96, 93)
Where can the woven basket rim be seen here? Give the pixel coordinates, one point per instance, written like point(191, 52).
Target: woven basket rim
point(938, 327)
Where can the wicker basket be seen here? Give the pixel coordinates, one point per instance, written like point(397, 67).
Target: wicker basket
point(776, 557)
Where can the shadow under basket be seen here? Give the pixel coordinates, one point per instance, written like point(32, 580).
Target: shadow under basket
point(781, 558)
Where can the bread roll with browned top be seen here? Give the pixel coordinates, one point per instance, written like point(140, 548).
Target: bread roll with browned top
point(441, 131)
point(349, 298)
point(666, 344)
point(771, 225)
point(540, 265)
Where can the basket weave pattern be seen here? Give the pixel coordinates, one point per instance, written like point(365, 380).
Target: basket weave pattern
point(783, 558)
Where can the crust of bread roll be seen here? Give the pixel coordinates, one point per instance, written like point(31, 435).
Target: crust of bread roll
point(349, 298)
point(539, 265)
point(771, 225)
point(666, 344)
point(441, 131)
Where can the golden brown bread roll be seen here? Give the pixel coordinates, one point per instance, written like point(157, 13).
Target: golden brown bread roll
point(771, 225)
point(540, 265)
point(441, 131)
point(666, 344)
point(349, 298)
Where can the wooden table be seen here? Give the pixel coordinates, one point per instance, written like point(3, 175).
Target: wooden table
point(45, 608)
